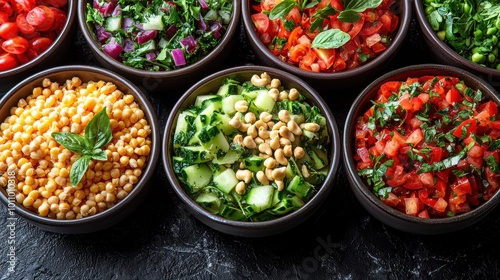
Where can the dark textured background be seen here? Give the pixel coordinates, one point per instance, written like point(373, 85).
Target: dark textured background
point(341, 241)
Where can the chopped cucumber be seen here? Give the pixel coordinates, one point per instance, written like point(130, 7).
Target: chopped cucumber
point(196, 176)
point(300, 187)
point(154, 22)
point(254, 163)
point(212, 139)
point(228, 104)
point(226, 181)
point(207, 157)
point(113, 24)
point(264, 102)
point(195, 154)
point(260, 198)
point(209, 201)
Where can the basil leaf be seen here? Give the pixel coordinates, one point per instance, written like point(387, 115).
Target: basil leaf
point(492, 163)
point(495, 145)
point(282, 9)
point(349, 16)
point(361, 5)
point(71, 141)
point(330, 39)
point(99, 154)
point(78, 169)
point(98, 130)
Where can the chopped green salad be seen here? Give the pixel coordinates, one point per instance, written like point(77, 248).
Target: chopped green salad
point(252, 151)
point(159, 35)
point(471, 28)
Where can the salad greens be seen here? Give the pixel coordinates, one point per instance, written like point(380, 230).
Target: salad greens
point(471, 28)
point(159, 35)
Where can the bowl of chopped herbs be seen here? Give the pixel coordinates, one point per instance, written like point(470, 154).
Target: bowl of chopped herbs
point(463, 34)
point(160, 45)
point(422, 147)
point(252, 151)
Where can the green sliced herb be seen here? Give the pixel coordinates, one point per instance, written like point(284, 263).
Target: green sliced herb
point(330, 39)
point(282, 9)
point(97, 135)
point(493, 164)
point(495, 145)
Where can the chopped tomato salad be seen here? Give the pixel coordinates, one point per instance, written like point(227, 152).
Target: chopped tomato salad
point(430, 146)
point(325, 35)
point(28, 28)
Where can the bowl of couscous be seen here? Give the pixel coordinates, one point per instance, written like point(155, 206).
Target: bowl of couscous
point(78, 147)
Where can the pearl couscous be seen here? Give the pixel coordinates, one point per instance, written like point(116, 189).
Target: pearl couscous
point(42, 166)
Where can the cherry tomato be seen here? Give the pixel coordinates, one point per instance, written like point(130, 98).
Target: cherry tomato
point(15, 45)
point(6, 7)
point(36, 16)
point(7, 61)
point(48, 19)
point(3, 17)
point(24, 6)
point(23, 24)
point(8, 30)
point(40, 44)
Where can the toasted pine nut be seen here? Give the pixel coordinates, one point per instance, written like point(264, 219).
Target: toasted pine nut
point(264, 148)
point(265, 117)
point(238, 139)
point(263, 133)
point(240, 187)
point(279, 155)
point(252, 131)
point(274, 93)
point(293, 94)
point(294, 127)
point(283, 95)
point(274, 143)
point(313, 127)
point(262, 177)
point(279, 173)
point(275, 83)
point(249, 142)
point(298, 152)
point(250, 117)
point(280, 184)
point(284, 116)
point(287, 150)
point(270, 163)
point(241, 106)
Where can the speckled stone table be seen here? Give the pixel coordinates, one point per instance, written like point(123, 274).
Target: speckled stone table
point(341, 241)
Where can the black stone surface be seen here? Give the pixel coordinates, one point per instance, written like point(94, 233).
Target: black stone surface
point(342, 241)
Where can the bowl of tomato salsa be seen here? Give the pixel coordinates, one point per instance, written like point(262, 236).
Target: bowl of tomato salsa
point(34, 35)
point(329, 42)
point(422, 148)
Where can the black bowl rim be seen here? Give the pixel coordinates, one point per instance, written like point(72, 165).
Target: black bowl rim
point(71, 19)
point(429, 33)
point(348, 147)
point(233, 27)
point(149, 168)
point(270, 225)
point(397, 43)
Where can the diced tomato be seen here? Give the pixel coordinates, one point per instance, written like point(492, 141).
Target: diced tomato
point(371, 28)
point(261, 22)
point(465, 128)
point(391, 200)
point(411, 206)
point(415, 137)
point(388, 88)
point(424, 214)
point(363, 154)
point(326, 55)
point(462, 186)
point(490, 107)
point(453, 96)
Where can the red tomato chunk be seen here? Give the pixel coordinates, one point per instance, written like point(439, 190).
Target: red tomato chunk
point(28, 28)
point(297, 33)
point(430, 146)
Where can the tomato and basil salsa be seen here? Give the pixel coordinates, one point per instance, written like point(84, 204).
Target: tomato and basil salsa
point(159, 35)
point(471, 28)
point(327, 35)
point(429, 146)
point(28, 28)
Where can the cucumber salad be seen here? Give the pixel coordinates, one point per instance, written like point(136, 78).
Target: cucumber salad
point(252, 151)
point(159, 35)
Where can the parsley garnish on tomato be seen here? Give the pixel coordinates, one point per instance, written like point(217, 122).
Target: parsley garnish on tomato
point(430, 146)
point(325, 35)
point(159, 35)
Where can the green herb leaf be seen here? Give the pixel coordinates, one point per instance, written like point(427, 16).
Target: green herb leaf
point(71, 141)
point(282, 9)
point(330, 39)
point(99, 155)
point(98, 130)
point(349, 16)
point(78, 169)
point(493, 164)
point(495, 145)
point(361, 5)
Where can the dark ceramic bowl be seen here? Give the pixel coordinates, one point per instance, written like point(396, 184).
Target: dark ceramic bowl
point(373, 204)
point(124, 207)
point(444, 54)
point(163, 82)
point(53, 56)
point(361, 75)
point(239, 228)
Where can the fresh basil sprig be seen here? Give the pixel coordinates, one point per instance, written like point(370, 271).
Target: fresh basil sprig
point(97, 135)
point(353, 7)
point(330, 39)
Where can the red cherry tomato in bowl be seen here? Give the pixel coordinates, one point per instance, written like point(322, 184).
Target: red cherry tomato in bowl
point(15, 45)
point(7, 61)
